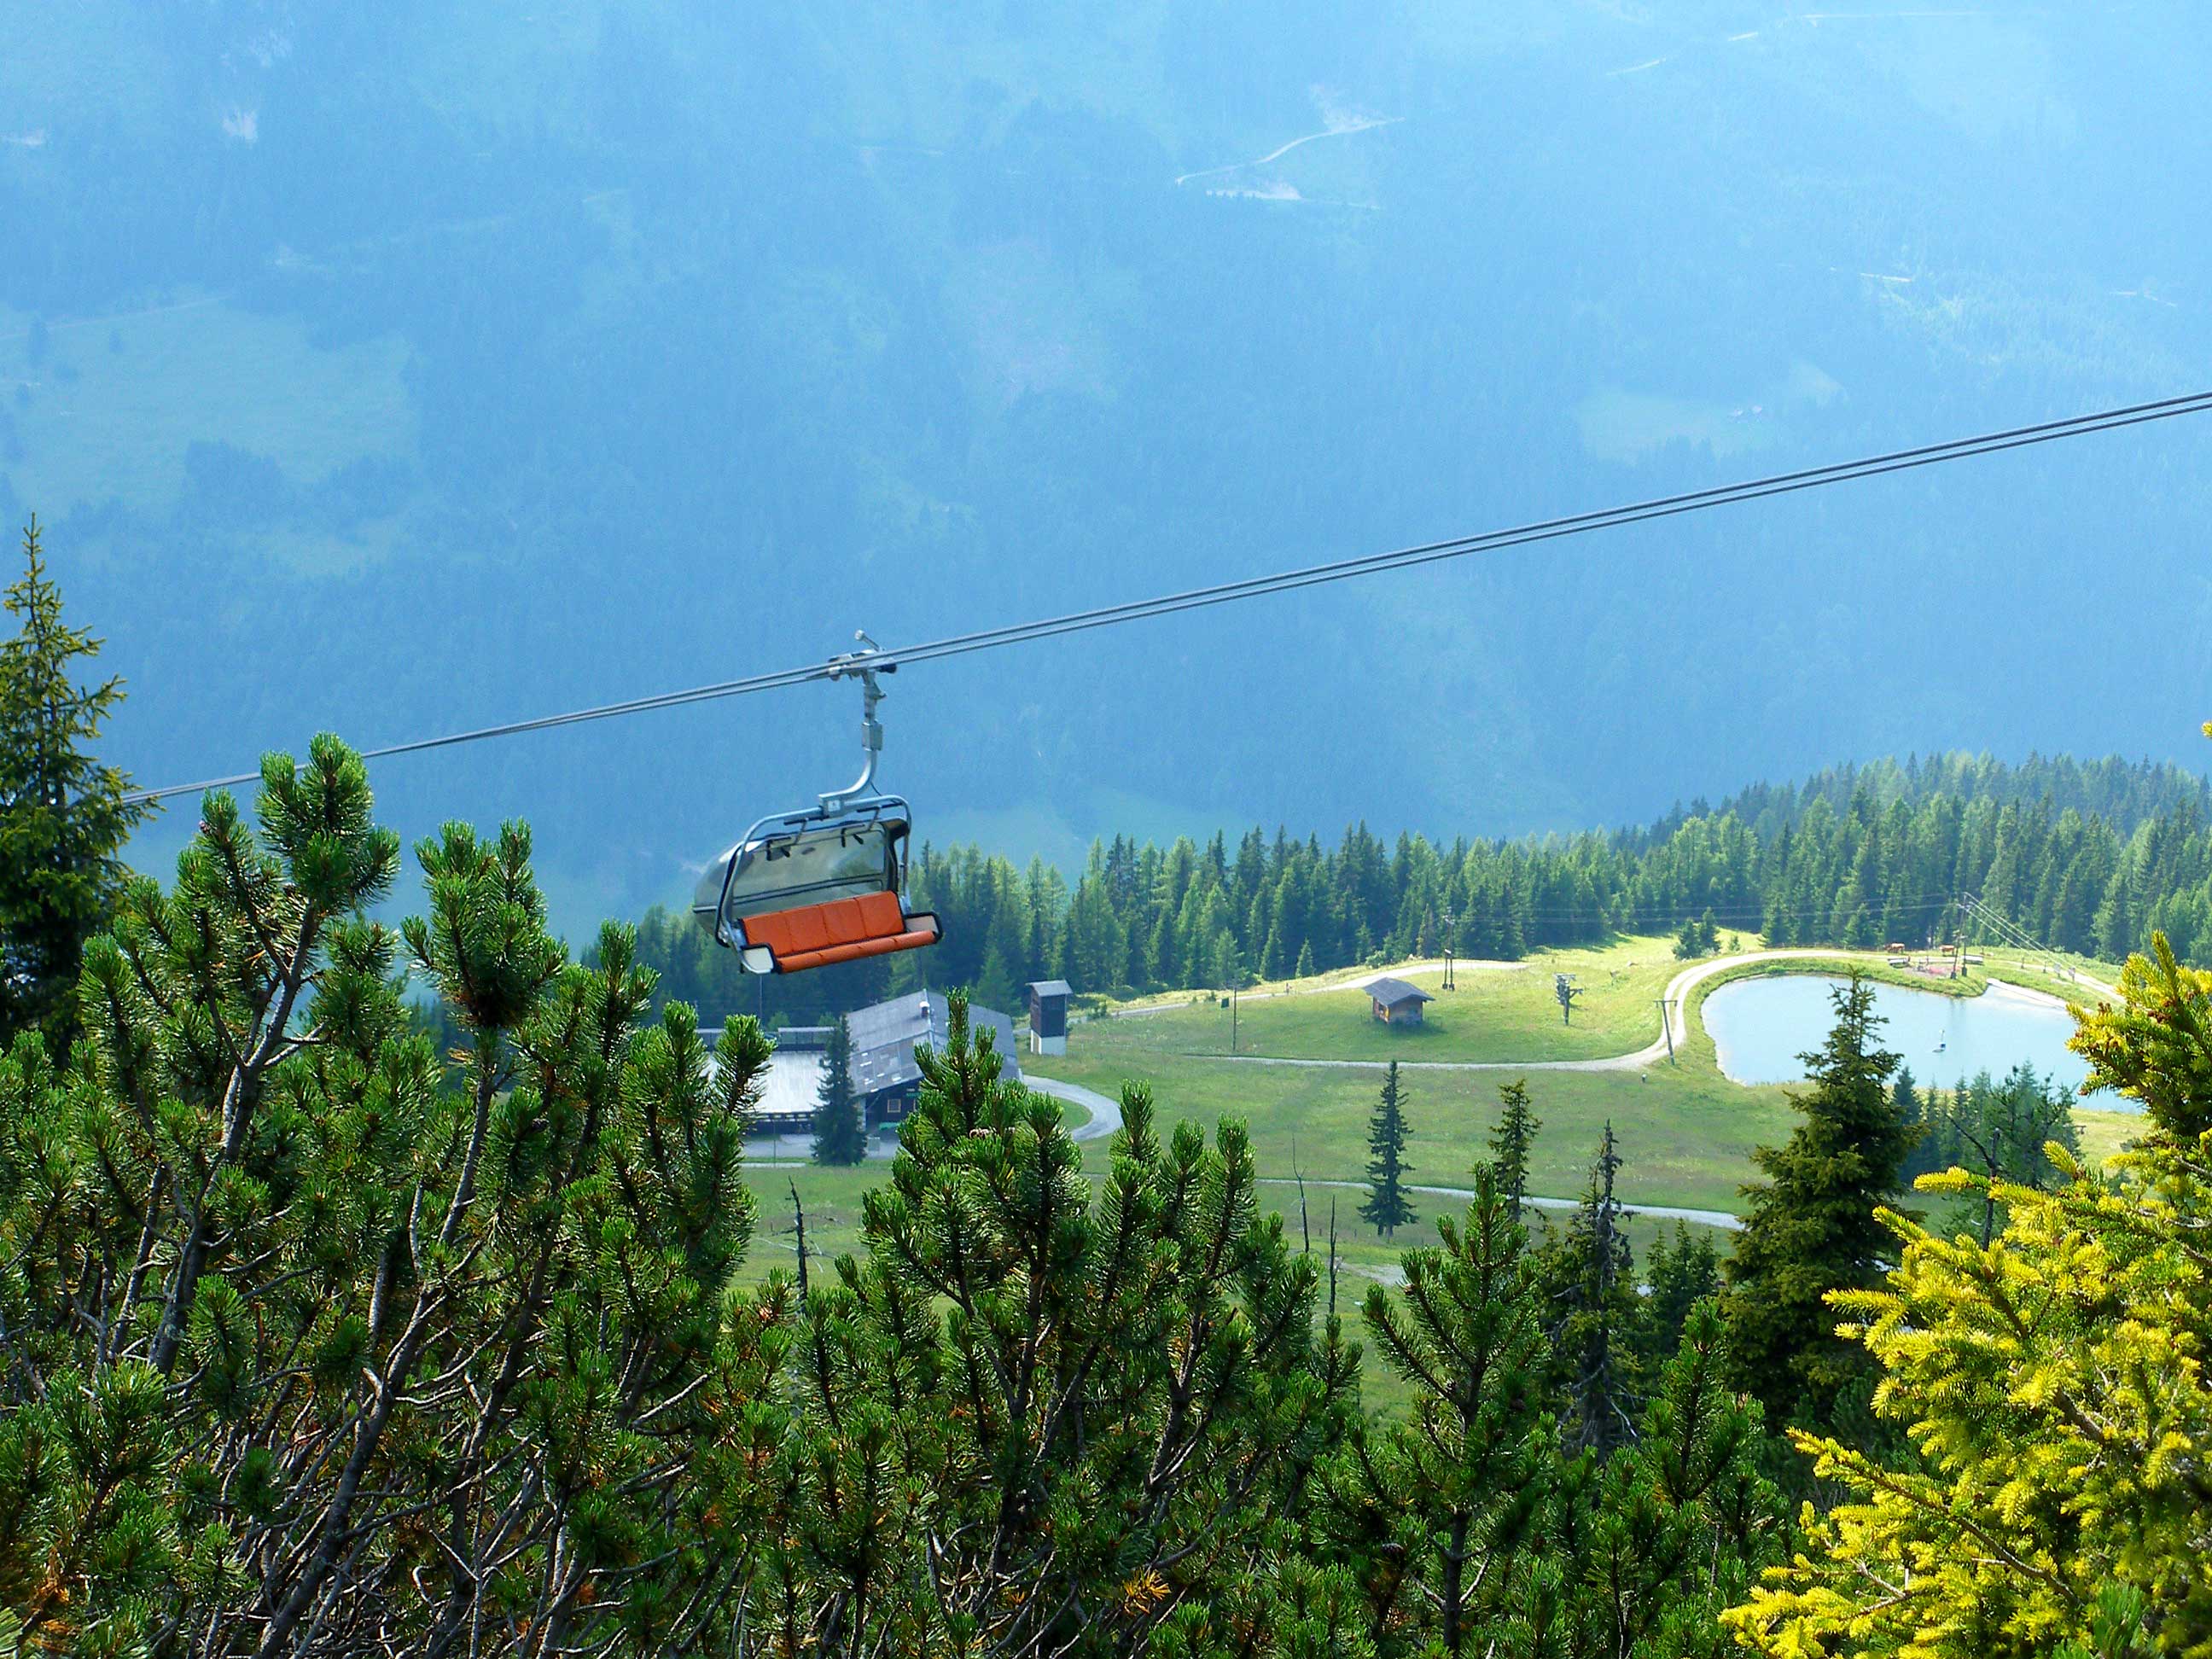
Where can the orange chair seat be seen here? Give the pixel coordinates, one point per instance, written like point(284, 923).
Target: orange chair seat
point(842, 930)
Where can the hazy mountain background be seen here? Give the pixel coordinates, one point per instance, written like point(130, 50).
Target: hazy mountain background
point(404, 367)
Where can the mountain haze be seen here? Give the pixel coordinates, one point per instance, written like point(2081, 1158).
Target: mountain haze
point(487, 361)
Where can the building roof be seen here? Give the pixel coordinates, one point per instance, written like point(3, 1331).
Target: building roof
point(1395, 993)
point(883, 1038)
point(792, 1086)
point(1052, 988)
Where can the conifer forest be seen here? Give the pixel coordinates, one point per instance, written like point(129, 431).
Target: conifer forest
point(1157, 831)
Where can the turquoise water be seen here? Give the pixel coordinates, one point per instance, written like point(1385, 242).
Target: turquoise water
point(1761, 1025)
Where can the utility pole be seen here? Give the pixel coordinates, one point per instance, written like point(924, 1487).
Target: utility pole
point(1232, 1022)
point(1564, 988)
point(1450, 917)
point(1667, 1025)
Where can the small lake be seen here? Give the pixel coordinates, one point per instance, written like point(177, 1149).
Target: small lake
point(1760, 1026)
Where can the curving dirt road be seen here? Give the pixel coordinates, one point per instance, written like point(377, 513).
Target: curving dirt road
point(1105, 1113)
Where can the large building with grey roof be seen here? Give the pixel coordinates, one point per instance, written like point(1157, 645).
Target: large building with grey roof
point(885, 1037)
point(885, 1073)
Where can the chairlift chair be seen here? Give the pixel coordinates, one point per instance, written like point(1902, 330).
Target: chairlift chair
point(824, 883)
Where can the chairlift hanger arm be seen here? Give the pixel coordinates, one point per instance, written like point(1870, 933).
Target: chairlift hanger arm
point(861, 662)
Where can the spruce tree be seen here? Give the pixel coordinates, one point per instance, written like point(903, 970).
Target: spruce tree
point(64, 817)
point(840, 1137)
point(1593, 1286)
point(1387, 1207)
point(2046, 1492)
point(1512, 1141)
point(1678, 1274)
point(1913, 1110)
point(1812, 1228)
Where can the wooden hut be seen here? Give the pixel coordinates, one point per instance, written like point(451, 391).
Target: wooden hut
point(1397, 1003)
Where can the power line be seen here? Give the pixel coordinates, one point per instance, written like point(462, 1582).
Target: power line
point(1404, 558)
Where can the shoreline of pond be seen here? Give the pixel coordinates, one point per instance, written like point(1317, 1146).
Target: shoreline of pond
point(1767, 1021)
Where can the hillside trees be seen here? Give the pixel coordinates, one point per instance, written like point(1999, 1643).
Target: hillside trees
point(1679, 1273)
point(1998, 1127)
point(2049, 1381)
point(63, 817)
point(1589, 1277)
point(1493, 1537)
point(1035, 1420)
point(309, 1352)
point(2084, 855)
point(1672, 1529)
point(1459, 1492)
point(1513, 1140)
point(1698, 937)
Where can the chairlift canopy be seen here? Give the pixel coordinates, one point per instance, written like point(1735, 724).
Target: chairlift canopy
point(823, 885)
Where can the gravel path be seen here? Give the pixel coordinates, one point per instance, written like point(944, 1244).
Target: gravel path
point(1663, 1211)
point(1105, 1113)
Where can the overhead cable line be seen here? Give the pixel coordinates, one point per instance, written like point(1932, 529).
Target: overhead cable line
point(1404, 558)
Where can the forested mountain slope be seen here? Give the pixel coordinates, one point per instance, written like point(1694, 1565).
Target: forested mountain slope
point(394, 370)
point(2086, 857)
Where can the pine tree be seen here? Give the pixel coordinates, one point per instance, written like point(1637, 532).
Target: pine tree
point(1387, 1207)
point(1813, 1226)
point(1678, 1526)
point(64, 817)
point(1455, 1496)
point(840, 1137)
point(1512, 1142)
point(1047, 1415)
point(307, 1348)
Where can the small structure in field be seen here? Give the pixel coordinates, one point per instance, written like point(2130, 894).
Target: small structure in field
point(1395, 1002)
point(1048, 1015)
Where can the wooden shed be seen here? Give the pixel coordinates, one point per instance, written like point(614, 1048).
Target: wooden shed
point(1397, 1003)
point(1048, 1015)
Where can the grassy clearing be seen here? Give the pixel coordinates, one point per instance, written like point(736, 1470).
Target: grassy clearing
point(1497, 1013)
point(112, 406)
point(832, 1197)
point(1686, 1132)
point(2034, 974)
point(2104, 1133)
point(1841, 965)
